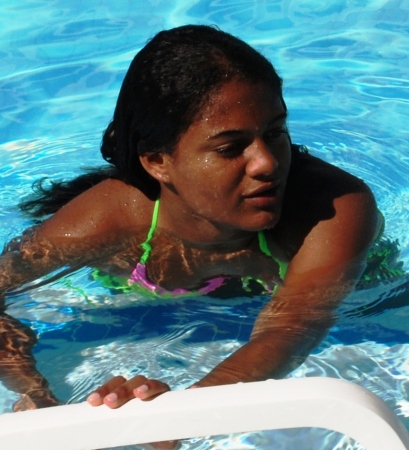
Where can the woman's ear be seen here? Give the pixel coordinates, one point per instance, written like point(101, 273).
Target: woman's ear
point(157, 164)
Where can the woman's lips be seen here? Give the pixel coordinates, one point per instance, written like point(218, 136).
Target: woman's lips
point(263, 197)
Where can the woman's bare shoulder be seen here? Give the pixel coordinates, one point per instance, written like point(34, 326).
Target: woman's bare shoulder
point(316, 174)
point(319, 192)
point(109, 206)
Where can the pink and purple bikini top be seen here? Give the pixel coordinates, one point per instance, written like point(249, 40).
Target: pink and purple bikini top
point(139, 275)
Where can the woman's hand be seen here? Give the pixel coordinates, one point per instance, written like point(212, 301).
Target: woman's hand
point(117, 391)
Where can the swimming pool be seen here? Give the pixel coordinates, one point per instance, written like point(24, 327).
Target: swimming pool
point(346, 83)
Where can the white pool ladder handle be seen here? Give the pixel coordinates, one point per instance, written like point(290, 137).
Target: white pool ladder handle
point(308, 402)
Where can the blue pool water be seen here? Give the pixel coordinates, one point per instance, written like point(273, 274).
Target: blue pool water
point(345, 66)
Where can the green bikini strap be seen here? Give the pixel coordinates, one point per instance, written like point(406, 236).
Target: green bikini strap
point(262, 242)
point(146, 246)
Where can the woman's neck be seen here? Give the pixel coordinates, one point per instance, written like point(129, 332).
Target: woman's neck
point(199, 232)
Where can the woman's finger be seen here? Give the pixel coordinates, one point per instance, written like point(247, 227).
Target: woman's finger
point(124, 392)
point(150, 389)
point(96, 398)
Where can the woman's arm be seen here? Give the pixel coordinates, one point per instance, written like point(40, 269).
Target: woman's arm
point(23, 260)
point(85, 231)
point(322, 273)
point(17, 366)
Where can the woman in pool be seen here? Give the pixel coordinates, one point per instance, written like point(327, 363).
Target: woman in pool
point(206, 191)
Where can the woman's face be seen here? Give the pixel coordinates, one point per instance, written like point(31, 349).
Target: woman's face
point(230, 167)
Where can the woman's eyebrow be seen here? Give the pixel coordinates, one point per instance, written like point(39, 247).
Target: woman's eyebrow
point(237, 133)
point(226, 134)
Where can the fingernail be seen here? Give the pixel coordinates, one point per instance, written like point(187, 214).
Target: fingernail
point(111, 398)
point(94, 397)
point(142, 389)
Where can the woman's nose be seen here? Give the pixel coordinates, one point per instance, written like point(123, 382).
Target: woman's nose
point(261, 160)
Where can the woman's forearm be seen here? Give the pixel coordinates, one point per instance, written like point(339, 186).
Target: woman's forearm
point(18, 367)
point(272, 354)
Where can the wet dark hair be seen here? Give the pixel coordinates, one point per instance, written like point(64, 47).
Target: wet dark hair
point(167, 84)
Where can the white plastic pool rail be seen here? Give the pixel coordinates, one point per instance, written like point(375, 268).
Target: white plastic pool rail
point(308, 402)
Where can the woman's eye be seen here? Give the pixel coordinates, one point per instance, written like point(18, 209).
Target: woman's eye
point(235, 149)
point(231, 151)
